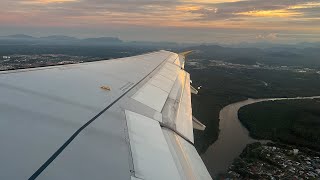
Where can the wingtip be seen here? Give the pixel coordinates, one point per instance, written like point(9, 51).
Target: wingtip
point(186, 53)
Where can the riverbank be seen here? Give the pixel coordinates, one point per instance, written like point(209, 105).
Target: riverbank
point(233, 136)
point(232, 139)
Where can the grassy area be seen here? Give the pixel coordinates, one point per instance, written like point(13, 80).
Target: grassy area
point(290, 121)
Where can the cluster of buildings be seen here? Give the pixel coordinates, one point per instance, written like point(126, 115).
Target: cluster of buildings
point(276, 162)
point(6, 57)
point(296, 69)
point(27, 61)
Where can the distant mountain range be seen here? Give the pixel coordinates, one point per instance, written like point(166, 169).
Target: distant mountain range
point(22, 36)
point(268, 45)
point(22, 39)
point(18, 37)
point(114, 41)
point(59, 38)
point(284, 56)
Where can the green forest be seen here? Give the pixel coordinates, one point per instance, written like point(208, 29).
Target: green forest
point(290, 121)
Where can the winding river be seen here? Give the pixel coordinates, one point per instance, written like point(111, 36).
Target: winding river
point(233, 137)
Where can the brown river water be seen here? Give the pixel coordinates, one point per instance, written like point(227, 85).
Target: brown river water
point(233, 136)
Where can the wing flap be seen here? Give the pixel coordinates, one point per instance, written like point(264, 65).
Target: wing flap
point(151, 96)
point(186, 157)
point(152, 158)
point(168, 92)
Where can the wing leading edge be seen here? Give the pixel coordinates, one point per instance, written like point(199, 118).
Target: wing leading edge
point(58, 123)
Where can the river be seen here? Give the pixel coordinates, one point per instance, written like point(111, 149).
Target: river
point(233, 136)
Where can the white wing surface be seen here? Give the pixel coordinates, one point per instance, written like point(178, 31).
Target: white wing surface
point(128, 118)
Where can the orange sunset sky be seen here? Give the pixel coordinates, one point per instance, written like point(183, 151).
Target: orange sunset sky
point(223, 21)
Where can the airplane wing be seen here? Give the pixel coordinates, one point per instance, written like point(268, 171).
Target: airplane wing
point(126, 119)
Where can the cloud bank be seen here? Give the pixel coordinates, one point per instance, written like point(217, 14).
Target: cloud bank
point(202, 16)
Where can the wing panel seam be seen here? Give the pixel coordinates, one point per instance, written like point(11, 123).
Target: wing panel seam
point(75, 134)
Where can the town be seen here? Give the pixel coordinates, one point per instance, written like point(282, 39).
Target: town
point(275, 161)
point(16, 61)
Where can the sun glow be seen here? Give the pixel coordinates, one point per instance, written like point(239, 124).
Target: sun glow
point(305, 6)
point(283, 13)
point(188, 8)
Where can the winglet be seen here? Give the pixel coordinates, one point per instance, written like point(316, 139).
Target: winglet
point(186, 53)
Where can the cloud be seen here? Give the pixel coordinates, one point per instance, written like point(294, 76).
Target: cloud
point(257, 8)
point(269, 37)
point(258, 15)
point(282, 13)
point(202, 11)
point(46, 1)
